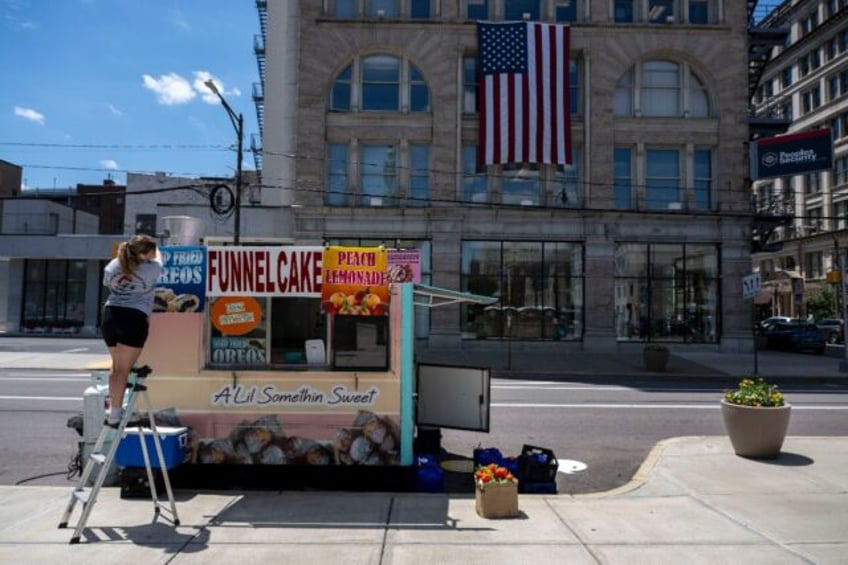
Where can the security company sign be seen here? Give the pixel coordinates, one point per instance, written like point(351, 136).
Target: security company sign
point(792, 154)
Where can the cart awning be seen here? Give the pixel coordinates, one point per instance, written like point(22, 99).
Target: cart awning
point(432, 296)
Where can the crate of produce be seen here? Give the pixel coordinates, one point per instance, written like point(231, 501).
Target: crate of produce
point(497, 500)
point(174, 442)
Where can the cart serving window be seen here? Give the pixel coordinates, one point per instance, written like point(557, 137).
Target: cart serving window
point(290, 306)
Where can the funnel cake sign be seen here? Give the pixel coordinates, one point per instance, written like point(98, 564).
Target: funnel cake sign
point(354, 281)
point(264, 271)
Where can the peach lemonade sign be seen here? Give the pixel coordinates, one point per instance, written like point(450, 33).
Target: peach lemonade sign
point(354, 281)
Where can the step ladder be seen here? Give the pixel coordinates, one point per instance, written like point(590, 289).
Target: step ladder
point(103, 461)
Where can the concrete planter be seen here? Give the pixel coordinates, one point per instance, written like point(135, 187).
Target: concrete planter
point(756, 432)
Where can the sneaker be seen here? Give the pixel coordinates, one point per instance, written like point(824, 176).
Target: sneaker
point(132, 422)
point(113, 418)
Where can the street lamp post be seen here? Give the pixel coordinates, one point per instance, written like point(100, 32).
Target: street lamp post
point(238, 123)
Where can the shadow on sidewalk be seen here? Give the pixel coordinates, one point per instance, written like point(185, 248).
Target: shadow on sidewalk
point(316, 510)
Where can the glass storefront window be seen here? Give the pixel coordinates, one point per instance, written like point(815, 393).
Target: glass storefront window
point(540, 286)
point(54, 296)
point(667, 292)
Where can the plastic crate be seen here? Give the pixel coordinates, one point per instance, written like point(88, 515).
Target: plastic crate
point(537, 488)
point(174, 441)
point(537, 465)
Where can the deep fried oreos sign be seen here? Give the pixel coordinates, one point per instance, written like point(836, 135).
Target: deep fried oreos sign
point(180, 287)
point(792, 154)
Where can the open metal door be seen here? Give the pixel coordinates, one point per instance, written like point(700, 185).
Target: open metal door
point(453, 397)
point(448, 396)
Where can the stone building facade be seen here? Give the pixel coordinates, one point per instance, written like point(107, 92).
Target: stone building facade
point(644, 238)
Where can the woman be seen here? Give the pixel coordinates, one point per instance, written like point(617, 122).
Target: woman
point(131, 280)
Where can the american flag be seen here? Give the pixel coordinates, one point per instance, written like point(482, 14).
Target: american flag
point(525, 112)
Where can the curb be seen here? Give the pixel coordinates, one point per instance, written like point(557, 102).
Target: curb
point(640, 477)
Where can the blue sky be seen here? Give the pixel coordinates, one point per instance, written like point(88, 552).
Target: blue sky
point(93, 89)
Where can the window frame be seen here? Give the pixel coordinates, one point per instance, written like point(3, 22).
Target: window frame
point(553, 273)
point(659, 187)
point(411, 85)
point(655, 286)
point(631, 91)
point(623, 184)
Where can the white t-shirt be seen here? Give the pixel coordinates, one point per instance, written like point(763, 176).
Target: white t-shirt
point(132, 291)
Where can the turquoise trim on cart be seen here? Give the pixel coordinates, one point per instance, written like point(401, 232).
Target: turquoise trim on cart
point(407, 375)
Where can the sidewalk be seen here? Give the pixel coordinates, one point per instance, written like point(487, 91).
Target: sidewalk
point(692, 501)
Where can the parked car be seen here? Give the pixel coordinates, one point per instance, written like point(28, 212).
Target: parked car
point(833, 329)
point(773, 319)
point(794, 335)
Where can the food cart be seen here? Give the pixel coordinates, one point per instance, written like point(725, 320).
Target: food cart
point(281, 358)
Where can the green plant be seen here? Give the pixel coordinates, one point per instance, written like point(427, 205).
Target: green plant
point(822, 304)
point(756, 393)
point(655, 347)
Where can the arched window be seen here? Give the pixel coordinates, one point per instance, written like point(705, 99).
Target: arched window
point(380, 83)
point(340, 96)
point(699, 100)
point(660, 89)
point(663, 89)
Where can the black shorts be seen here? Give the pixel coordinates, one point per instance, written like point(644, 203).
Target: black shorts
point(126, 326)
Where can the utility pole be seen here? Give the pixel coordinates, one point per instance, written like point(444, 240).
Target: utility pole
point(238, 123)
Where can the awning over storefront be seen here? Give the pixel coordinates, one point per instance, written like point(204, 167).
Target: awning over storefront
point(764, 298)
point(431, 296)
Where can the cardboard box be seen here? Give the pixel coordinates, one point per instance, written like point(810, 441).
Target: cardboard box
point(174, 442)
point(498, 500)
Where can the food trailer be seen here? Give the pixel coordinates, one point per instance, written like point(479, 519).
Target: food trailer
point(281, 360)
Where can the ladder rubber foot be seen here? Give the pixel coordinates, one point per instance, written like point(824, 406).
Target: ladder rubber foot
point(74, 540)
point(63, 525)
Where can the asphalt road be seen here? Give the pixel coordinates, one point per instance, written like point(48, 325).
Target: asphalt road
point(35, 443)
point(609, 427)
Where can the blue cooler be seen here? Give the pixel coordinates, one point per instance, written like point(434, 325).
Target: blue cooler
point(174, 442)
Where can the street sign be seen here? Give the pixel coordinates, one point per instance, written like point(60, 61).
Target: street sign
point(751, 286)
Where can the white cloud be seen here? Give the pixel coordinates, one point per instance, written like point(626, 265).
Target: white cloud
point(109, 164)
point(30, 114)
point(179, 20)
point(170, 89)
point(200, 77)
point(115, 110)
point(11, 14)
